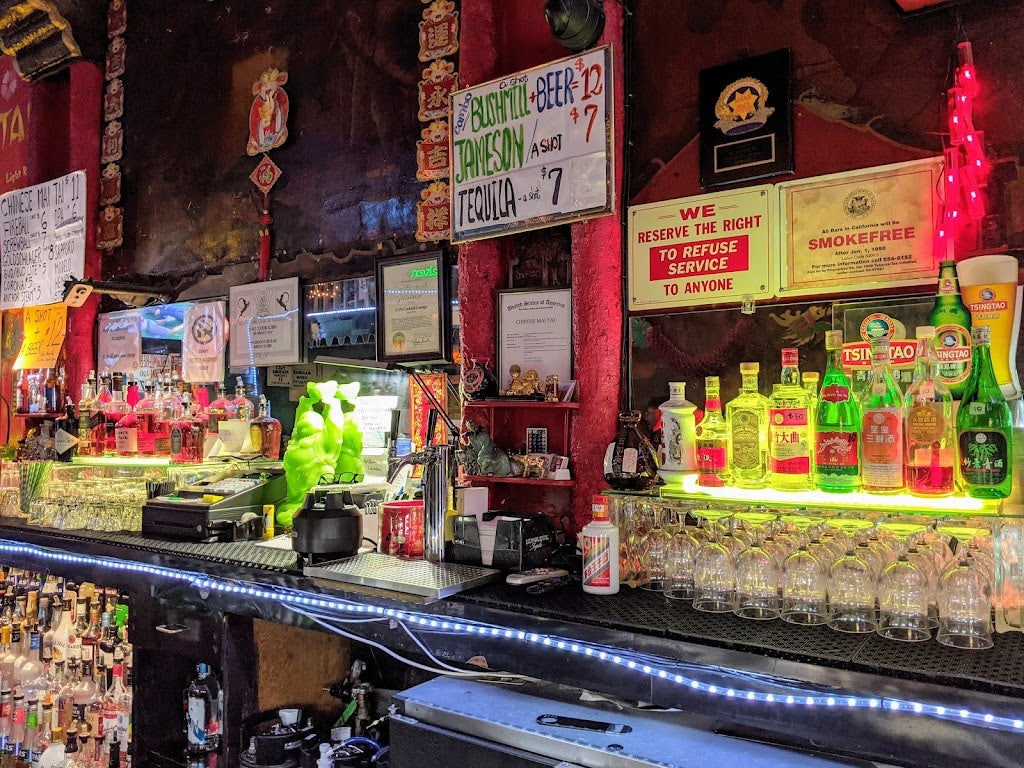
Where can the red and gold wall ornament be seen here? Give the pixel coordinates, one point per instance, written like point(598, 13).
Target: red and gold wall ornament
point(433, 160)
point(438, 37)
point(268, 116)
point(110, 226)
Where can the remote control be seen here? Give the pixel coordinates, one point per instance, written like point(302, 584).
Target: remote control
point(534, 574)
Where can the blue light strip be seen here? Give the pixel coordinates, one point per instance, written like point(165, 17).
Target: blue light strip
point(651, 667)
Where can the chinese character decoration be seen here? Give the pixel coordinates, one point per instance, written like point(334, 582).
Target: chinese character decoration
point(966, 169)
point(268, 129)
point(439, 30)
point(110, 226)
point(439, 80)
point(268, 116)
point(432, 152)
point(438, 38)
point(433, 213)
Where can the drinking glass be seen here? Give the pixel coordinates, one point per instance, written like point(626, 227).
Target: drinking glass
point(852, 583)
point(714, 574)
point(679, 561)
point(804, 583)
point(757, 573)
point(965, 596)
point(903, 597)
point(653, 548)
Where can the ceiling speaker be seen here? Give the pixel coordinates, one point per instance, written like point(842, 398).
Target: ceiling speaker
point(576, 24)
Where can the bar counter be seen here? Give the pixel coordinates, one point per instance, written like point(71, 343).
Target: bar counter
point(859, 696)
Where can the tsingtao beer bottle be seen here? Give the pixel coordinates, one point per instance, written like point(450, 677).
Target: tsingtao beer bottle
point(952, 322)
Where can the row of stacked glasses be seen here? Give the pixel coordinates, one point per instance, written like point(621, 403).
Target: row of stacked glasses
point(900, 579)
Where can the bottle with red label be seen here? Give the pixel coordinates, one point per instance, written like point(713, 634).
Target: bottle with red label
point(837, 425)
point(789, 444)
point(600, 539)
point(882, 451)
point(712, 437)
point(931, 434)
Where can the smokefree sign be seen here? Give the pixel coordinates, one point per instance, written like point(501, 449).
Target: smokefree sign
point(703, 250)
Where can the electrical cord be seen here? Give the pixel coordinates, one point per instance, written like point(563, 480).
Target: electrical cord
point(420, 644)
point(326, 623)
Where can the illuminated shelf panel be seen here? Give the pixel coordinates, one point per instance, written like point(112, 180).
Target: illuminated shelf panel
point(903, 502)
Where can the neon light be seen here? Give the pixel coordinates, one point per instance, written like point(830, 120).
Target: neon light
point(648, 666)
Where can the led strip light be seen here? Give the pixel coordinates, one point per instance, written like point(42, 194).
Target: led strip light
point(652, 668)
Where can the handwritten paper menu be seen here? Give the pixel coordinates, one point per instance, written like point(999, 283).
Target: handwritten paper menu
point(42, 241)
point(532, 149)
point(45, 328)
point(120, 341)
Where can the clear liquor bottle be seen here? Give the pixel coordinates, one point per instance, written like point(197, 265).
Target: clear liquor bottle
point(712, 438)
point(747, 420)
point(837, 425)
point(244, 407)
point(789, 455)
point(87, 421)
point(930, 429)
point(984, 428)
point(882, 464)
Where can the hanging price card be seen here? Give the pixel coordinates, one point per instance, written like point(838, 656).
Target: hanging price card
point(533, 149)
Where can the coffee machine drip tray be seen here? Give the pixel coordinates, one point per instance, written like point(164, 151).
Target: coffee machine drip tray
point(414, 577)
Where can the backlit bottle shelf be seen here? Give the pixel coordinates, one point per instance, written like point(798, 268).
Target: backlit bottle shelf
point(858, 500)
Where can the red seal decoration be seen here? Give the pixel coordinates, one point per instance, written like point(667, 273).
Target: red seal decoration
point(115, 58)
point(435, 90)
point(433, 213)
point(439, 30)
point(268, 116)
point(433, 159)
point(112, 143)
point(265, 175)
point(117, 18)
point(113, 99)
point(110, 184)
point(109, 229)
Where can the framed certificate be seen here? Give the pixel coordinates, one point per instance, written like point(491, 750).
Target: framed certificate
point(414, 308)
point(534, 334)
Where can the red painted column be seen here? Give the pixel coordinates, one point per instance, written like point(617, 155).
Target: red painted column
point(597, 305)
point(483, 263)
point(83, 154)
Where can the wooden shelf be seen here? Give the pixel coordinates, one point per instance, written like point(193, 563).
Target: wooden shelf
point(60, 415)
point(519, 481)
point(519, 404)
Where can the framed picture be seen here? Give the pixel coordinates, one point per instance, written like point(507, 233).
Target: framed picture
point(534, 335)
point(567, 391)
point(746, 119)
point(414, 318)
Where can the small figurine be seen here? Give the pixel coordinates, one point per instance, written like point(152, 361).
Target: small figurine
point(530, 465)
point(483, 456)
point(514, 386)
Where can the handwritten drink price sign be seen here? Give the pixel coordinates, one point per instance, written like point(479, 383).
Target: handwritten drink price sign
point(533, 149)
point(702, 250)
point(42, 241)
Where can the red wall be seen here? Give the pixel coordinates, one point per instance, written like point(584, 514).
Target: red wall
point(499, 38)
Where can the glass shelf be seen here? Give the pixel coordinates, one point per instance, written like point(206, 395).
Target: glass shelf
point(868, 502)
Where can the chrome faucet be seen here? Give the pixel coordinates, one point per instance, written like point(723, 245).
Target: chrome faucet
point(438, 463)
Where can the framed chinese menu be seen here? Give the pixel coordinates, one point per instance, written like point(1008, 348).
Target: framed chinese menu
point(414, 308)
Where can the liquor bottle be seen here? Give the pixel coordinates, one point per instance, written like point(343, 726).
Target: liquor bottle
point(220, 409)
point(931, 434)
point(984, 428)
point(82, 695)
point(62, 632)
point(188, 435)
point(203, 706)
point(265, 432)
point(244, 407)
point(6, 704)
point(65, 434)
point(952, 323)
point(712, 437)
point(170, 407)
point(112, 701)
point(882, 465)
point(789, 455)
point(836, 425)
point(90, 637)
point(113, 411)
point(108, 645)
point(677, 452)
point(747, 419)
point(53, 389)
point(146, 414)
point(20, 392)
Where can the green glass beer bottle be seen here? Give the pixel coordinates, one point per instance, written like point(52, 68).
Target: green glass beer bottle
point(984, 428)
point(952, 322)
